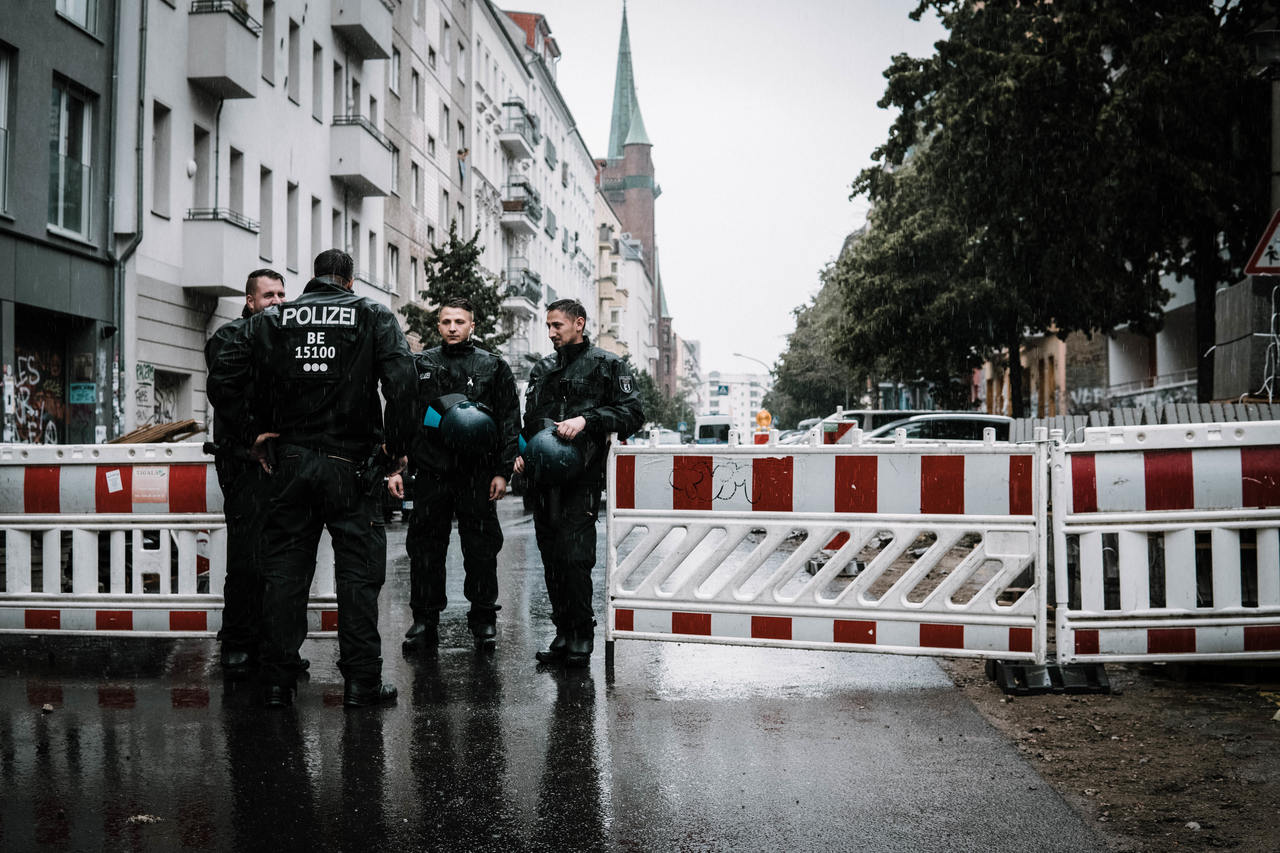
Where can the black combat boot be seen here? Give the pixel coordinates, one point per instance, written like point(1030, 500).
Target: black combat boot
point(577, 651)
point(357, 695)
point(277, 696)
point(555, 652)
point(422, 635)
point(485, 635)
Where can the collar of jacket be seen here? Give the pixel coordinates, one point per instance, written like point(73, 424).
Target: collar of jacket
point(325, 282)
point(246, 312)
point(460, 348)
point(569, 353)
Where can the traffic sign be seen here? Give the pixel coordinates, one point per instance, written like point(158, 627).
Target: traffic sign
point(1266, 258)
point(682, 427)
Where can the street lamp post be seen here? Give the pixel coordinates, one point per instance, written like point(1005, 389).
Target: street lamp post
point(767, 368)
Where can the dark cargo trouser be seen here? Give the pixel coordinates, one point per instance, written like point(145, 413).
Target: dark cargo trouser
point(437, 498)
point(564, 520)
point(245, 493)
point(315, 490)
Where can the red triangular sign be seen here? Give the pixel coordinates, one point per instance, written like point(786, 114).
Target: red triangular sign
point(1266, 258)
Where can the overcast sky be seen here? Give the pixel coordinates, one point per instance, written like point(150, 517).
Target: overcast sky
point(761, 113)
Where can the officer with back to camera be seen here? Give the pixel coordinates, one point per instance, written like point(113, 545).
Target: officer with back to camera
point(468, 417)
point(577, 396)
point(244, 496)
point(319, 361)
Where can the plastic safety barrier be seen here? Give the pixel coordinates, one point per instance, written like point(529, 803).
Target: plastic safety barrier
point(913, 549)
point(120, 539)
point(1167, 543)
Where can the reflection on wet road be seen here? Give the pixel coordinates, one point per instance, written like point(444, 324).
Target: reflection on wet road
point(686, 747)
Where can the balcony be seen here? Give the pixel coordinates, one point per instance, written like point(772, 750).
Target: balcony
point(521, 209)
point(359, 156)
point(215, 243)
point(365, 26)
point(1176, 387)
point(222, 48)
point(523, 292)
point(518, 135)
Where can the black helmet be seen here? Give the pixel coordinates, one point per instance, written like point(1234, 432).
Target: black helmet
point(548, 458)
point(468, 427)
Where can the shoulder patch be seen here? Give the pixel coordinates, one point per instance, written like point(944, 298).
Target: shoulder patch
point(624, 383)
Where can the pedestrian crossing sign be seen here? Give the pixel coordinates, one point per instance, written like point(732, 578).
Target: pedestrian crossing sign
point(1266, 258)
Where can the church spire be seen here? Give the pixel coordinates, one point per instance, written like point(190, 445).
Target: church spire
point(626, 108)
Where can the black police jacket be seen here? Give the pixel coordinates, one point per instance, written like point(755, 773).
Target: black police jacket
point(316, 365)
point(226, 435)
point(483, 378)
point(581, 379)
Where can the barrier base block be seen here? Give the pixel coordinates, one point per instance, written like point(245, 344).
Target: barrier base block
point(1021, 679)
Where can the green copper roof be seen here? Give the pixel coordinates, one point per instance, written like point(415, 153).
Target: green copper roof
point(636, 134)
point(626, 108)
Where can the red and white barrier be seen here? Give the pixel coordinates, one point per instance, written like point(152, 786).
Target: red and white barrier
point(935, 481)
point(1167, 543)
point(120, 539)
point(911, 549)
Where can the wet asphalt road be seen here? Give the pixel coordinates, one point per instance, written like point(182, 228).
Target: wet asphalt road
point(681, 747)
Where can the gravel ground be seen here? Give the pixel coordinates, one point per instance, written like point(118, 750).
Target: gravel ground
point(1176, 757)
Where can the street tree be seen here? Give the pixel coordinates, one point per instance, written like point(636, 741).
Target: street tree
point(451, 270)
point(1021, 185)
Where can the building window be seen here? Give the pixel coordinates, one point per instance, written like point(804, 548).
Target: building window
point(4, 129)
point(335, 233)
point(317, 82)
point(70, 168)
point(444, 126)
point(395, 170)
point(294, 83)
point(203, 156)
point(431, 146)
point(394, 84)
point(373, 110)
point(462, 62)
point(339, 95)
point(354, 248)
point(431, 58)
point(291, 227)
point(269, 41)
point(82, 12)
point(393, 268)
point(264, 213)
point(446, 41)
point(373, 256)
point(431, 236)
point(413, 276)
point(461, 216)
point(161, 145)
point(236, 175)
point(415, 80)
point(415, 192)
point(445, 206)
point(317, 226)
point(462, 136)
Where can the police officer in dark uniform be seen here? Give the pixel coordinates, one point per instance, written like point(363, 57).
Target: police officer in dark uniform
point(586, 393)
point(468, 418)
point(244, 496)
point(317, 363)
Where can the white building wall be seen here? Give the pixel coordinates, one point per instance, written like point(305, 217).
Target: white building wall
point(744, 399)
point(271, 131)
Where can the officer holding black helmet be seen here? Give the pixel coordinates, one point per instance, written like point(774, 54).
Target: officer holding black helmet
point(468, 418)
point(316, 364)
point(575, 399)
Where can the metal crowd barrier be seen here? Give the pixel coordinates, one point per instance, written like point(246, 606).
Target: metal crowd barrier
point(913, 549)
point(120, 539)
point(1166, 543)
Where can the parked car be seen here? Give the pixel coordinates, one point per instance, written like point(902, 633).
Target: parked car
point(665, 436)
point(944, 426)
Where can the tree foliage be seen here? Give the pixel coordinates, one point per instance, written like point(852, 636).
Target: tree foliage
point(1049, 162)
point(451, 270)
point(660, 408)
point(809, 380)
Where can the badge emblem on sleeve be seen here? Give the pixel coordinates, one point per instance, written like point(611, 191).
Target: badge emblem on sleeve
point(624, 382)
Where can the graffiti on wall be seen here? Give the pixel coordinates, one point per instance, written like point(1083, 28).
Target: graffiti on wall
point(39, 405)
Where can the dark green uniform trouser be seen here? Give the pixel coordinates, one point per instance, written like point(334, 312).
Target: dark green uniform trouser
point(314, 490)
point(564, 521)
point(437, 498)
